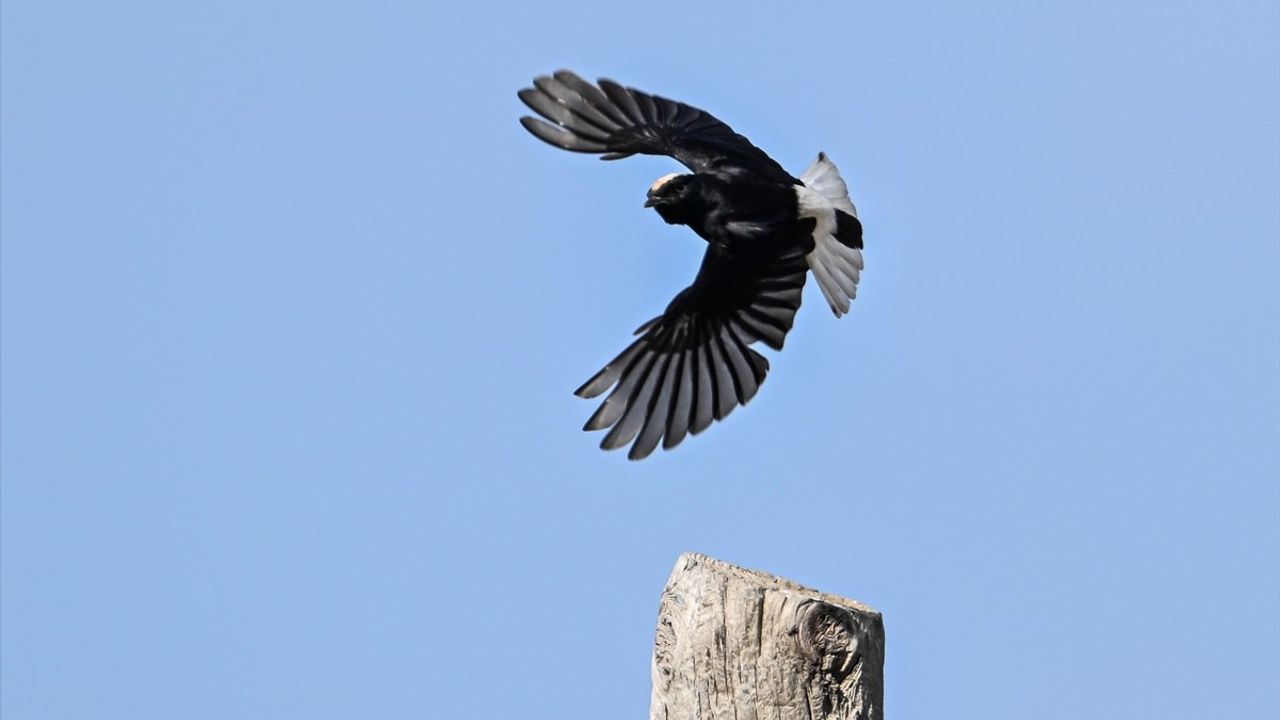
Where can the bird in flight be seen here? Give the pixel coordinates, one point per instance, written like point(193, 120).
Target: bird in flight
point(765, 231)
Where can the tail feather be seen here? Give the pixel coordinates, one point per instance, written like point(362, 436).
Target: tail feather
point(823, 176)
point(836, 258)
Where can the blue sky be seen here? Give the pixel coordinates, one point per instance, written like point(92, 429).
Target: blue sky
point(292, 309)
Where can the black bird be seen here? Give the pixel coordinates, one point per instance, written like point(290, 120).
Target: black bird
point(764, 230)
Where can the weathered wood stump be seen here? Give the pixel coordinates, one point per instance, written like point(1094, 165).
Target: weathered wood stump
point(739, 644)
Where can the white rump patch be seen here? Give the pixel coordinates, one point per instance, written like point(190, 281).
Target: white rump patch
point(662, 181)
point(836, 266)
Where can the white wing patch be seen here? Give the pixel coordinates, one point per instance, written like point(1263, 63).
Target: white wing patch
point(836, 266)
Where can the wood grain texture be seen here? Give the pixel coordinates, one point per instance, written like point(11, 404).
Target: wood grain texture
point(737, 644)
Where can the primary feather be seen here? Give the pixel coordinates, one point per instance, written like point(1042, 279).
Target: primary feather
point(619, 122)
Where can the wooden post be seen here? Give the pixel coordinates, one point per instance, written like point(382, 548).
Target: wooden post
point(737, 644)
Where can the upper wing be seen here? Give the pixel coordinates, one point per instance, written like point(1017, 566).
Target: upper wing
point(692, 364)
point(620, 122)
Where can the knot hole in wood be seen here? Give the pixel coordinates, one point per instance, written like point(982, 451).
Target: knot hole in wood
point(830, 637)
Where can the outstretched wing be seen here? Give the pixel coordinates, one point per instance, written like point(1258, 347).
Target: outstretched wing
point(694, 364)
point(619, 122)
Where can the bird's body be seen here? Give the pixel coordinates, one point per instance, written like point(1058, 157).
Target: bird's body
point(765, 229)
point(737, 211)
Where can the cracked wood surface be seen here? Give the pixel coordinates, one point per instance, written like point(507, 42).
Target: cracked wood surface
point(737, 644)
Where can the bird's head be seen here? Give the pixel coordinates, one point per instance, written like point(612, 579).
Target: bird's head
point(673, 196)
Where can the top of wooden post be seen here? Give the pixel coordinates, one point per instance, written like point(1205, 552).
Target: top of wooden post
point(735, 643)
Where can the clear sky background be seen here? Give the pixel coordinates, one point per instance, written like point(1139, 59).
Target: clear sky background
point(293, 308)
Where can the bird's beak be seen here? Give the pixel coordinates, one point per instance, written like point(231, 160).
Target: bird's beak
point(650, 201)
